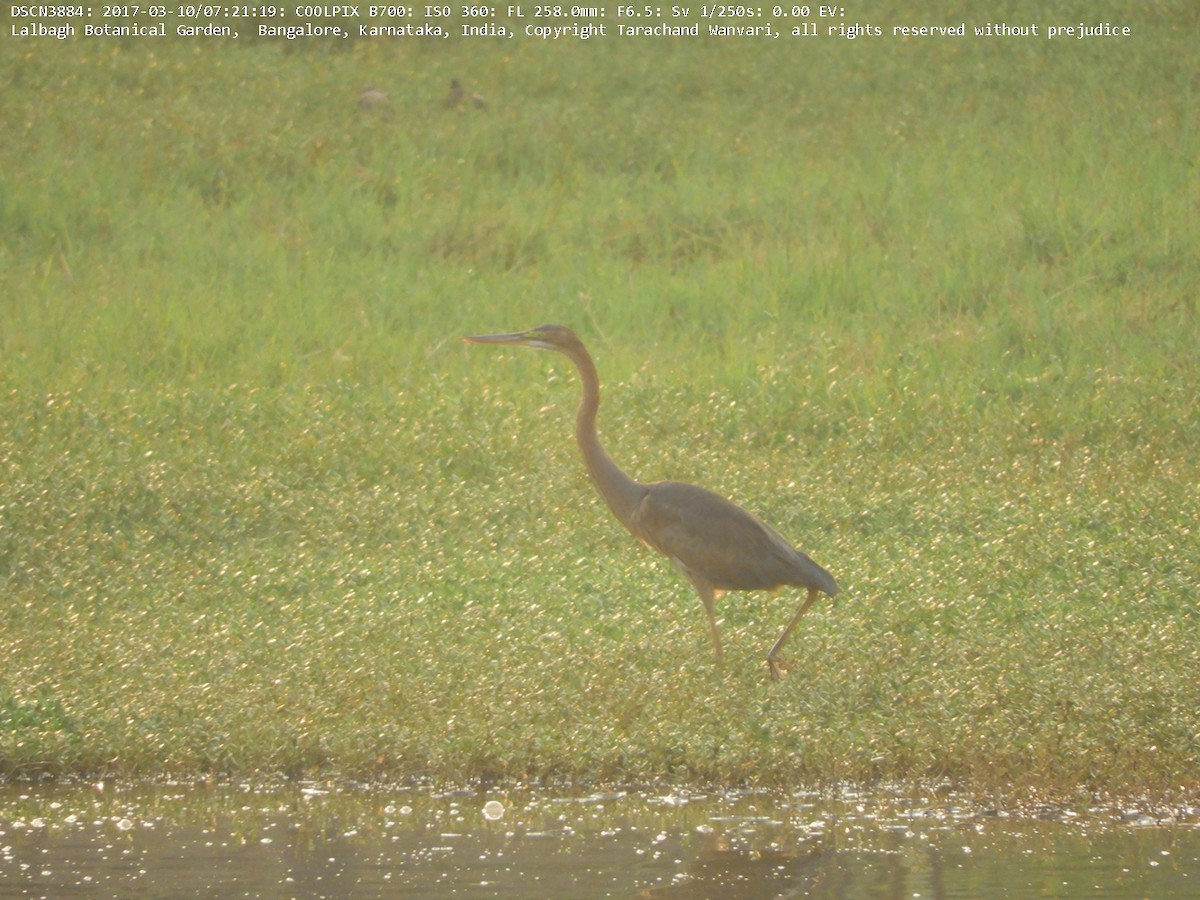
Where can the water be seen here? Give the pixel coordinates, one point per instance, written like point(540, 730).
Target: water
point(315, 840)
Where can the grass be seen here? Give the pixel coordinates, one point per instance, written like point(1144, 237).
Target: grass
point(929, 308)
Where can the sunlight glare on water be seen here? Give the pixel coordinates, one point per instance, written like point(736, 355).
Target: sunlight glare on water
point(325, 840)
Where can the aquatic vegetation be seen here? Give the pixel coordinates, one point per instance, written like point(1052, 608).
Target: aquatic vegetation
point(260, 512)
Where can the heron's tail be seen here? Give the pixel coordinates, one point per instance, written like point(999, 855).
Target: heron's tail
point(815, 576)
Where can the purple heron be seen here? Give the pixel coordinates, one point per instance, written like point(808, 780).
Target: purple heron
point(717, 545)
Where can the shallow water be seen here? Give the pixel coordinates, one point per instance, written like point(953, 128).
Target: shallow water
point(315, 840)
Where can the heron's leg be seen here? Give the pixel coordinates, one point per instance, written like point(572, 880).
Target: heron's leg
point(707, 596)
point(773, 656)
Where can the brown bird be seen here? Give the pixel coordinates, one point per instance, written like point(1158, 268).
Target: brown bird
point(717, 545)
point(458, 94)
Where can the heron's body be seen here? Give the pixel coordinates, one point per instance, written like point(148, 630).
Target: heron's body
point(726, 546)
point(717, 545)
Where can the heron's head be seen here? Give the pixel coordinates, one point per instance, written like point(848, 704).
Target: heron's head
point(544, 337)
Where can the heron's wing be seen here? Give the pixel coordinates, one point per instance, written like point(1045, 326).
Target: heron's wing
point(715, 541)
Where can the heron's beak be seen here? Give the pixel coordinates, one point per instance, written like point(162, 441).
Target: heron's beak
point(513, 337)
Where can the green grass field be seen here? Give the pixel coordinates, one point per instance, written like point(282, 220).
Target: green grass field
point(929, 307)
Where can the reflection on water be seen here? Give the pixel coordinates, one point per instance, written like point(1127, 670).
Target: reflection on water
point(314, 840)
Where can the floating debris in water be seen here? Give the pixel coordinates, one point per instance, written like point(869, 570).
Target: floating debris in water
point(493, 810)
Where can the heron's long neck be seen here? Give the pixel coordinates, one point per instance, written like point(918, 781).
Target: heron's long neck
point(620, 492)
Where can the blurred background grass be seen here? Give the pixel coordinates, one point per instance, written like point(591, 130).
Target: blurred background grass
point(927, 306)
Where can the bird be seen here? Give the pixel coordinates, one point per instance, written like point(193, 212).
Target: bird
point(458, 94)
point(371, 99)
point(713, 542)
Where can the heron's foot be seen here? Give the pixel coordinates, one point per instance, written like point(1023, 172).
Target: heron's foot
point(776, 664)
